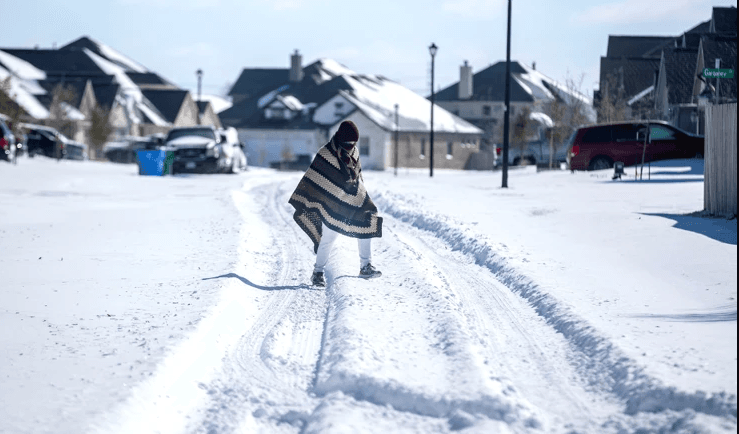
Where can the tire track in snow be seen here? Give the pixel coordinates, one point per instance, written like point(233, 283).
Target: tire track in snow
point(604, 364)
point(417, 357)
point(265, 378)
point(515, 342)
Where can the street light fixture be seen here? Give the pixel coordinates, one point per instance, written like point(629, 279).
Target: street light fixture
point(432, 50)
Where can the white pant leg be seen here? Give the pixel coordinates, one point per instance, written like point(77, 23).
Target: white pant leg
point(328, 237)
point(365, 251)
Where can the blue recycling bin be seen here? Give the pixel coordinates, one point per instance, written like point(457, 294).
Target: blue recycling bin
point(155, 163)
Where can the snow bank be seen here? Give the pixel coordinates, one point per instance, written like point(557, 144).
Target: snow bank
point(607, 363)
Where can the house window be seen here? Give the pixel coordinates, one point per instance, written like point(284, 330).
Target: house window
point(423, 148)
point(338, 105)
point(364, 146)
point(449, 148)
point(486, 110)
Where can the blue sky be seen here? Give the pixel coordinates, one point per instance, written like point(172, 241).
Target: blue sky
point(386, 37)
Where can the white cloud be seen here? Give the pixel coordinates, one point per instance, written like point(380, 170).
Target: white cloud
point(641, 11)
point(475, 9)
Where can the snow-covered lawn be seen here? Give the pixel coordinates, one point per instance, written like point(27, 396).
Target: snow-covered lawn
point(564, 303)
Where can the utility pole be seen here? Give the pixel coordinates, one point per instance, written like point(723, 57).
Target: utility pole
point(507, 114)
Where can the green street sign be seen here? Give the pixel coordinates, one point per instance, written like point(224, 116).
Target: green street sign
point(718, 73)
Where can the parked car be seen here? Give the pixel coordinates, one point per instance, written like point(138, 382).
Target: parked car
point(205, 149)
point(47, 141)
point(534, 153)
point(8, 143)
point(598, 147)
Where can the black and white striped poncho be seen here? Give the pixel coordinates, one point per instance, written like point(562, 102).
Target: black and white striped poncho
point(330, 194)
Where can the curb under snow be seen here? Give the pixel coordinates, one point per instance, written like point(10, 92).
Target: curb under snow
point(624, 377)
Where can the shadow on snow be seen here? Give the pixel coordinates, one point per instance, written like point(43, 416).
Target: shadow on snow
point(717, 228)
point(262, 287)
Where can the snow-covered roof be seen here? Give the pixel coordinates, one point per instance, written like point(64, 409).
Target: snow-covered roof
point(20, 68)
point(376, 97)
point(290, 102)
point(19, 91)
point(108, 53)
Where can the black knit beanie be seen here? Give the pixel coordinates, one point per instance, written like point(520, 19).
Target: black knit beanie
point(347, 132)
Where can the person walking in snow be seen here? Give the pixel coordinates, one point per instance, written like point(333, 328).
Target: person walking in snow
point(331, 199)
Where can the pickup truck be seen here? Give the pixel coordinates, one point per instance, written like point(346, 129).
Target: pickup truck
point(205, 149)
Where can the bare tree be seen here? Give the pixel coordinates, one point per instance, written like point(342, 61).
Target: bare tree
point(100, 130)
point(61, 98)
point(568, 112)
point(10, 108)
point(612, 105)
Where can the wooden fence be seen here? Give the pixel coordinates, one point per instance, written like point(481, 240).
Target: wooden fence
point(719, 196)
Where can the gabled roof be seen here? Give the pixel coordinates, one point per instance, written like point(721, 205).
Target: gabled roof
point(679, 72)
point(104, 51)
point(636, 46)
point(635, 74)
point(58, 62)
point(723, 20)
point(489, 85)
point(256, 80)
point(167, 101)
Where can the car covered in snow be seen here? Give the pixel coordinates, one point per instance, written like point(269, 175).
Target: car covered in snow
point(205, 149)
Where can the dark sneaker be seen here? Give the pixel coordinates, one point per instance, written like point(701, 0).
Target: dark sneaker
point(368, 272)
point(318, 280)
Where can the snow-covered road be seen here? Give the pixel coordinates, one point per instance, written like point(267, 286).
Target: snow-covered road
point(450, 338)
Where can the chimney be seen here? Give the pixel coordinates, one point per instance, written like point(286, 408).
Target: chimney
point(533, 65)
point(465, 81)
point(296, 67)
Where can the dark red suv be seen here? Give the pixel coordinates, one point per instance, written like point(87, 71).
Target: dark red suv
point(599, 146)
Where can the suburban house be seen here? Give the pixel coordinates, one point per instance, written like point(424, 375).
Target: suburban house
point(281, 114)
point(629, 72)
point(480, 98)
point(661, 77)
point(92, 74)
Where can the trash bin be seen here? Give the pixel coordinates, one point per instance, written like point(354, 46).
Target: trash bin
point(168, 163)
point(151, 162)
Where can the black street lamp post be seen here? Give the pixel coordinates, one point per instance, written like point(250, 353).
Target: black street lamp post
point(397, 127)
point(432, 49)
point(507, 115)
point(199, 73)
